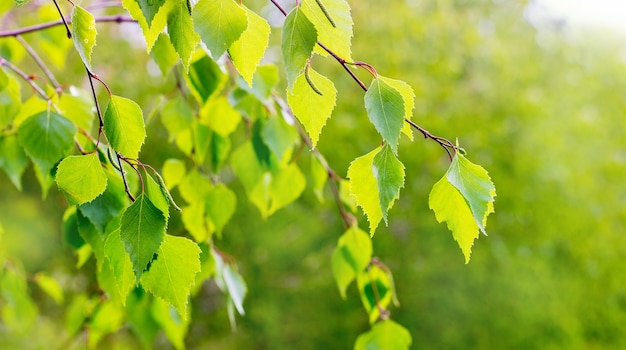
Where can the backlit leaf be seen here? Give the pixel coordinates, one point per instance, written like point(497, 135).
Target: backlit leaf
point(159, 21)
point(376, 290)
point(220, 23)
point(221, 203)
point(150, 8)
point(350, 257)
point(336, 35)
point(84, 33)
point(124, 126)
point(249, 49)
point(13, 159)
point(364, 188)
point(107, 206)
point(182, 34)
point(408, 96)
point(164, 53)
point(389, 174)
point(386, 110)
point(204, 78)
point(10, 100)
point(81, 178)
point(299, 37)
point(220, 116)
point(121, 265)
point(384, 335)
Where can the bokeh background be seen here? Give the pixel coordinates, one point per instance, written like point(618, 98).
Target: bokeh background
point(538, 102)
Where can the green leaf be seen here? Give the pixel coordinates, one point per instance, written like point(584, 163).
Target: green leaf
point(174, 326)
point(376, 290)
point(476, 187)
point(285, 187)
point(140, 319)
point(50, 286)
point(384, 335)
point(221, 203)
point(350, 257)
point(319, 177)
point(220, 23)
point(229, 280)
point(173, 172)
point(13, 159)
point(10, 100)
point(120, 264)
point(150, 8)
point(46, 137)
point(364, 188)
point(182, 34)
point(19, 312)
point(408, 97)
point(299, 37)
point(81, 178)
point(90, 234)
point(84, 33)
point(172, 273)
point(220, 116)
point(280, 137)
point(157, 195)
point(78, 107)
point(389, 174)
point(333, 22)
point(386, 110)
point(312, 108)
point(176, 116)
point(124, 126)
point(205, 78)
point(159, 21)
point(102, 210)
point(454, 206)
point(249, 49)
point(164, 53)
point(107, 318)
point(71, 235)
point(142, 230)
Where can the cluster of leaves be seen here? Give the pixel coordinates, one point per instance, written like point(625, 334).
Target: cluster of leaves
point(120, 208)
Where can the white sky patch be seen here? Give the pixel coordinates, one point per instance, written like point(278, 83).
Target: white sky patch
point(605, 14)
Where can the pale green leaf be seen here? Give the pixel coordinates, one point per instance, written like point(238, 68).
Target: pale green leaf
point(172, 273)
point(249, 49)
point(220, 23)
point(319, 177)
point(285, 187)
point(194, 220)
point(350, 257)
point(84, 33)
point(194, 186)
point(389, 174)
point(182, 34)
point(19, 312)
point(78, 107)
point(176, 116)
point(120, 264)
point(142, 230)
point(81, 178)
point(364, 188)
point(474, 184)
point(124, 126)
point(311, 107)
point(386, 110)
point(10, 100)
point(159, 21)
point(333, 22)
point(46, 137)
point(221, 203)
point(220, 116)
point(376, 290)
point(13, 159)
point(174, 326)
point(50, 286)
point(280, 137)
point(164, 53)
point(157, 195)
point(107, 318)
point(174, 171)
point(384, 335)
point(299, 37)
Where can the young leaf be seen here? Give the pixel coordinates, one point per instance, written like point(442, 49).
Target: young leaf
point(280, 137)
point(220, 23)
point(386, 110)
point(389, 174)
point(10, 100)
point(13, 159)
point(285, 187)
point(182, 34)
point(376, 291)
point(384, 335)
point(350, 257)
point(84, 33)
point(46, 137)
point(221, 203)
point(299, 37)
point(142, 229)
point(120, 264)
point(176, 116)
point(124, 126)
point(81, 178)
point(333, 22)
point(312, 108)
point(78, 107)
point(364, 188)
point(173, 172)
point(172, 273)
point(249, 49)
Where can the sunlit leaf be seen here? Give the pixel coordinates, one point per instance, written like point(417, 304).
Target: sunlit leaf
point(386, 110)
point(249, 49)
point(350, 257)
point(81, 178)
point(50, 286)
point(299, 37)
point(376, 291)
point(364, 188)
point(384, 335)
point(182, 34)
point(333, 22)
point(220, 23)
point(389, 174)
point(124, 126)
point(120, 263)
point(84, 33)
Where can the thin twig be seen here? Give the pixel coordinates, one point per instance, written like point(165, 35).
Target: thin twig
point(126, 188)
point(40, 63)
point(42, 26)
point(26, 77)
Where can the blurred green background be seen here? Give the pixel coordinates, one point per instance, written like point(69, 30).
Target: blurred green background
point(542, 107)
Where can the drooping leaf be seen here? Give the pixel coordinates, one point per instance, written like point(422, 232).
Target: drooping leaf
point(164, 53)
point(220, 23)
point(172, 273)
point(350, 257)
point(384, 335)
point(46, 137)
point(389, 174)
point(150, 8)
point(124, 126)
point(333, 22)
point(142, 230)
point(81, 178)
point(249, 49)
point(386, 110)
point(13, 159)
point(364, 188)
point(121, 265)
point(152, 31)
point(182, 34)
point(375, 289)
point(84, 33)
point(408, 96)
point(157, 195)
point(221, 203)
point(299, 37)
point(312, 108)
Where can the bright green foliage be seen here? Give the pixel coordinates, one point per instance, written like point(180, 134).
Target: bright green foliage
point(384, 335)
point(463, 198)
point(124, 126)
point(102, 210)
point(249, 49)
point(19, 312)
point(164, 53)
point(335, 35)
point(172, 273)
point(50, 286)
point(176, 116)
point(229, 280)
point(299, 37)
point(120, 264)
point(78, 107)
point(220, 205)
point(150, 31)
point(389, 174)
point(84, 34)
point(280, 137)
point(9, 98)
point(173, 172)
point(364, 188)
point(220, 23)
point(150, 8)
point(13, 160)
point(386, 110)
point(312, 108)
point(204, 78)
point(142, 230)
point(376, 290)
point(182, 36)
point(350, 258)
point(81, 178)
point(220, 116)
point(46, 137)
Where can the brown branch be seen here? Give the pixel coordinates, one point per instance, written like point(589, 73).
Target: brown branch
point(40, 63)
point(42, 26)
